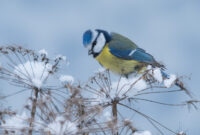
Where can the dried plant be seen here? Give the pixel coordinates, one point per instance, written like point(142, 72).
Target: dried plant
point(59, 106)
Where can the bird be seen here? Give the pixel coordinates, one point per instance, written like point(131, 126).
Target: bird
point(120, 55)
point(117, 53)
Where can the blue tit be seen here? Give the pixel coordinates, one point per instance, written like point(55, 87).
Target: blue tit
point(117, 53)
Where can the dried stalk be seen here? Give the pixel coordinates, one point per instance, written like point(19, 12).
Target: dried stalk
point(33, 111)
point(114, 113)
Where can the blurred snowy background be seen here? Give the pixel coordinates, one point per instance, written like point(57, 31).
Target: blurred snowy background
point(169, 30)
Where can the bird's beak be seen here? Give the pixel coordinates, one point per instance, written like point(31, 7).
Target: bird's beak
point(90, 52)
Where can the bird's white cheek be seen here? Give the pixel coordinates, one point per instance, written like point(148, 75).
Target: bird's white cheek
point(100, 43)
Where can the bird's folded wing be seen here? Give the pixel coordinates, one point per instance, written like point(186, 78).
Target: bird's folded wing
point(137, 54)
point(121, 42)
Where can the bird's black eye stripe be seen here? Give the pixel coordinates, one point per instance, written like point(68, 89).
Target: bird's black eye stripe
point(94, 43)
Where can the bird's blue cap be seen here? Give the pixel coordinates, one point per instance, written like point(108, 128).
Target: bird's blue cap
point(87, 38)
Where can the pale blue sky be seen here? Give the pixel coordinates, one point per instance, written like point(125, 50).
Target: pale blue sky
point(169, 30)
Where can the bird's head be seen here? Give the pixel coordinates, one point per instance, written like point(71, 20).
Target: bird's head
point(95, 40)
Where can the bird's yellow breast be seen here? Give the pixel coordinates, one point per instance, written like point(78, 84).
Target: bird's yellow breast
point(117, 65)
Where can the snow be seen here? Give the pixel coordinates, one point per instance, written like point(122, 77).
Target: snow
point(156, 72)
point(142, 133)
point(157, 75)
point(16, 122)
point(135, 83)
point(169, 82)
point(43, 52)
point(33, 72)
point(119, 89)
point(149, 67)
point(66, 78)
point(37, 82)
point(61, 126)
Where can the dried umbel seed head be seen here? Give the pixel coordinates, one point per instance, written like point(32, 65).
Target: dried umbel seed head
point(127, 122)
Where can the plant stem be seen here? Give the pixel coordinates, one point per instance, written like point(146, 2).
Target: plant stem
point(81, 114)
point(114, 112)
point(33, 110)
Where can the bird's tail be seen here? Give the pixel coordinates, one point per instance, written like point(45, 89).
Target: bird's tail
point(164, 74)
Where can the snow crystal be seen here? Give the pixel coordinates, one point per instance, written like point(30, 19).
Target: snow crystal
point(61, 126)
point(169, 82)
point(43, 52)
point(66, 78)
point(35, 72)
point(157, 75)
point(16, 122)
point(142, 133)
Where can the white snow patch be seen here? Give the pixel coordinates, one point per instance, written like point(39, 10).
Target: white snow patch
point(16, 122)
point(169, 82)
point(157, 74)
point(119, 89)
point(66, 78)
point(149, 67)
point(142, 133)
point(43, 52)
point(61, 126)
point(132, 85)
point(33, 72)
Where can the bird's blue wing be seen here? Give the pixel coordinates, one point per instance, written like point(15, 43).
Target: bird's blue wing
point(124, 48)
point(137, 54)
